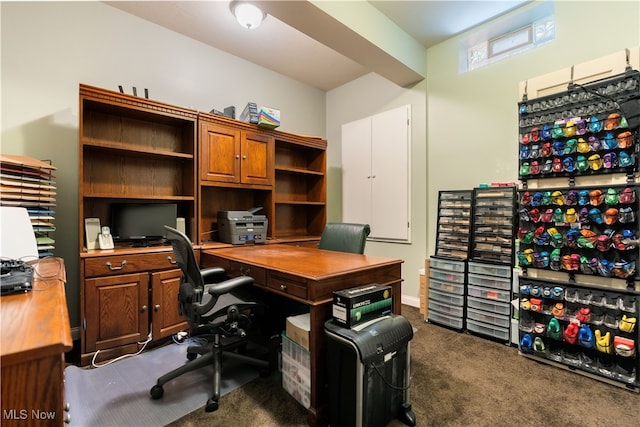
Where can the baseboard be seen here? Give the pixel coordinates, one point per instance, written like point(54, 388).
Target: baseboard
point(412, 301)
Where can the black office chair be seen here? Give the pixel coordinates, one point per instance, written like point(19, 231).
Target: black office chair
point(344, 237)
point(213, 311)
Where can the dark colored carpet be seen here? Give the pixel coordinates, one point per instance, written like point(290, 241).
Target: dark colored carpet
point(458, 380)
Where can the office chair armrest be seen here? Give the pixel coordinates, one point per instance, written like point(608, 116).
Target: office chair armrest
point(210, 273)
point(229, 285)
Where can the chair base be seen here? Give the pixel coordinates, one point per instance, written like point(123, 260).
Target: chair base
point(210, 356)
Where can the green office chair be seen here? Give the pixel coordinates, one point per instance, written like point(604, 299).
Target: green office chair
point(344, 237)
point(214, 310)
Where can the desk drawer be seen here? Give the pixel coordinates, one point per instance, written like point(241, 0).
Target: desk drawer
point(292, 285)
point(121, 264)
point(235, 269)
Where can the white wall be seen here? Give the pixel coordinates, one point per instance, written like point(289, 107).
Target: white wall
point(361, 98)
point(48, 48)
point(472, 118)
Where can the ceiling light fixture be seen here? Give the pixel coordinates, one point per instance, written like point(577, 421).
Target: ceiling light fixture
point(248, 15)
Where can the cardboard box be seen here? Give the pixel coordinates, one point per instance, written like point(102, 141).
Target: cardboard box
point(298, 328)
point(354, 306)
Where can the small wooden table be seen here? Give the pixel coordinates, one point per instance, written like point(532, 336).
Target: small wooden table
point(309, 276)
point(35, 335)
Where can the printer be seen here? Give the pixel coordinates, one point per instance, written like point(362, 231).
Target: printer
point(240, 227)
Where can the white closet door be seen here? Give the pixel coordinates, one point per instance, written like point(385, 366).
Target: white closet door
point(356, 171)
point(390, 174)
point(376, 175)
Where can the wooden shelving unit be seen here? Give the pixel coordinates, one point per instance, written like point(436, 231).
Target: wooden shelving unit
point(136, 150)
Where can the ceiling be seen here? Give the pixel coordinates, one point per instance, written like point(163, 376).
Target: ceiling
point(312, 45)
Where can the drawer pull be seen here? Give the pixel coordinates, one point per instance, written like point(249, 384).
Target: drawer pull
point(171, 260)
point(112, 268)
point(283, 287)
point(157, 307)
point(244, 272)
point(144, 308)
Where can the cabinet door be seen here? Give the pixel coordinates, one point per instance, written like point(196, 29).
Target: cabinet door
point(219, 153)
point(166, 319)
point(116, 310)
point(356, 171)
point(257, 153)
point(375, 173)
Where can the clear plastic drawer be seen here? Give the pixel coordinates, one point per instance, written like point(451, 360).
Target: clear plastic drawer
point(448, 265)
point(446, 298)
point(493, 294)
point(452, 310)
point(484, 329)
point(489, 269)
point(490, 318)
point(447, 276)
point(490, 282)
point(443, 319)
point(490, 306)
point(452, 288)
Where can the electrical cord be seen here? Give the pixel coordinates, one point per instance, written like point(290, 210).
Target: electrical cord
point(392, 386)
point(124, 356)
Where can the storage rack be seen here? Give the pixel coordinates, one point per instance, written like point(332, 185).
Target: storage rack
point(454, 217)
point(489, 277)
point(447, 268)
point(577, 287)
point(30, 183)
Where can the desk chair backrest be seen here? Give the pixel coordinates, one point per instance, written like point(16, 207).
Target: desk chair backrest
point(17, 239)
point(344, 237)
point(192, 286)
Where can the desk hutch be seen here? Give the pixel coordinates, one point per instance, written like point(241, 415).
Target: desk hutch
point(138, 150)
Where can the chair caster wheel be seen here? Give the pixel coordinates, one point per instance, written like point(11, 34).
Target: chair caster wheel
point(157, 391)
point(212, 405)
point(192, 356)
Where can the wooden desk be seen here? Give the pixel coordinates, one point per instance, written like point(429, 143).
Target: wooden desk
point(35, 335)
point(309, 276)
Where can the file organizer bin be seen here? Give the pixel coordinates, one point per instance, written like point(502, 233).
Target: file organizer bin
point(296, 371)
point(368, 372)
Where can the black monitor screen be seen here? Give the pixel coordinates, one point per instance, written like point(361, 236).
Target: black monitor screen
point(142, 222)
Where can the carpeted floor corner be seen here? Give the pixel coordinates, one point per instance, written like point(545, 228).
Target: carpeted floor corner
point(458, 380)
